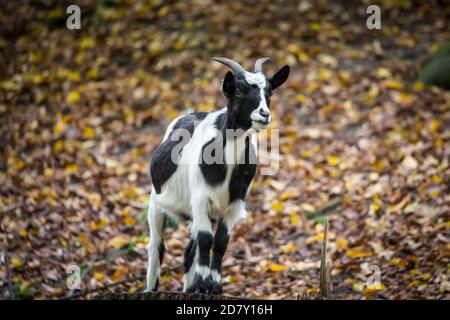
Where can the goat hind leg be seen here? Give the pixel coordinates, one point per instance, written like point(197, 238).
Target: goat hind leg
point(156, 248)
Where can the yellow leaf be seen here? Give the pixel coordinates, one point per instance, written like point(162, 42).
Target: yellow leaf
point(374, 207)
point(437, 179)
point(405, 97)
point(86, 42)
point(119, 273)
point(16, 262)
point(333, 160)
point(89, 133)
point(414, 272)
point(277, 206)
point(393, 84)
point(71, 168)
point(92, 74)
point(288, 248)
point(59, 146)
point(301, 98)
point(426, 276)
point(359, 252)
point(93, 226)
point(434, 125)
point(434, 193)
point(38, 79)
point(73, 97)
point(294, 218)
point(310, 152)
point(374, 287)
point(315, 26)
point(414, 283)
point(383, 73)
point(23, 233)
point(274, 267)
point(419, 86)
point(342, 244)
point(130, 221)
point(99, 276)
point(324, 74)
point(60, 127)
point(394, 261)
point(316, 238)
point(118, 242)
point(288, 195)
point(171, 113)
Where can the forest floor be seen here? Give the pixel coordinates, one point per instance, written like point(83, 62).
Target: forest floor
point(360, 142)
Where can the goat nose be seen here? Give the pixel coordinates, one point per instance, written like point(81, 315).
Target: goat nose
point(264, 113)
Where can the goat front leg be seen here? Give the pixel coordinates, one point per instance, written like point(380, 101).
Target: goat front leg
point(197, 276)
point(221, 238)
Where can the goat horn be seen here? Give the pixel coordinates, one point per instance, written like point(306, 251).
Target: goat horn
point(259, 63)
point(236, 67)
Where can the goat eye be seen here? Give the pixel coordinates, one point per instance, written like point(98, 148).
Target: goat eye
point(237, 93)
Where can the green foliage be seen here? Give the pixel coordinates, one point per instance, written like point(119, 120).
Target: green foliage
point(437, 71)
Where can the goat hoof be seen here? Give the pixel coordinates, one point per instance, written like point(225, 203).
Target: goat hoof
point(200, 285)
point(216, 288)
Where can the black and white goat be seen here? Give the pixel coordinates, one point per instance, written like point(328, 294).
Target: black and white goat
point(202, 191)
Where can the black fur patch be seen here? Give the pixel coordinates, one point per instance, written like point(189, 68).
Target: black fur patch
point(240, 108)
point(243, 173)
point(201, 285)
point(155, 287)
point(162, 167)
point(205, 240)
point(220, 246)
point(189, 255)
point(161, 251)
point(188, 121)
point(221, 121)
point(214, 173)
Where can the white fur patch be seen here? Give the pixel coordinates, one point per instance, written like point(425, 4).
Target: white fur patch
point(204, 271)
point(215, 275)
point(260, 80)
point(256, 79)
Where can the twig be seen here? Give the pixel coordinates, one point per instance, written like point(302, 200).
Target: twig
point(8, 270)
point(303, 295)
point(325, 283)
point(326, 209)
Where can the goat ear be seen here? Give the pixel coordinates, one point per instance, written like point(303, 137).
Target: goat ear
point(228, 84)
point(280, 77)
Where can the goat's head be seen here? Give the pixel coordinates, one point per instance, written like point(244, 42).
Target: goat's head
point(248, 93)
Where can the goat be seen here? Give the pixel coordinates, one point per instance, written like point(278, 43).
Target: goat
point(202, 192)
